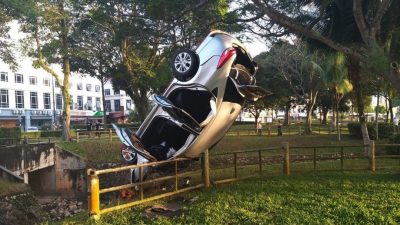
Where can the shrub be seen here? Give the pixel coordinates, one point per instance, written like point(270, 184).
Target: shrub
point(35, 134)
point(385, 130)
point(8, 134)
point(51, 133)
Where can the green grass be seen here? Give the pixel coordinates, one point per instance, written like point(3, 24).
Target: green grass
point(311, 198)
point(95, 150)
point(7, 188)
point(102, 150)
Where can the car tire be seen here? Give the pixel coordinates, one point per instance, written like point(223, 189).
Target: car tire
point(185, 64)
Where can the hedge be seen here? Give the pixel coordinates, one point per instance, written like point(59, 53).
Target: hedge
point(9, 135)
point(393, 150)
point(39, 134)
point(385, 130)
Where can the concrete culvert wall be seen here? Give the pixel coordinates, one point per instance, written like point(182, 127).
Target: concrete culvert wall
point(48, 169)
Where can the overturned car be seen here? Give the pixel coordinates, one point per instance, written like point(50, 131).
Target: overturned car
point(199, 106)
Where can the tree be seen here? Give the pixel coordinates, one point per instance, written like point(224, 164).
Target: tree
point(6, 45)
point(302, 72)
point(354, 28)
point(49, 25)
point(94, 55)
point(255, 109)
point(269, 78)
point(146, 32)
point(335, 78)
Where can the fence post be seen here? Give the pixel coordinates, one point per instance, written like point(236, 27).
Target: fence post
point(141, 182)
point(235, 164)
point(259, 162)
point(315, 158)
point(77, 137)
point(372, 155)
point(341, 158)
point(176, 175)
point(206, 169)
point(94, 202)
point(286, 159)
point(110, 134)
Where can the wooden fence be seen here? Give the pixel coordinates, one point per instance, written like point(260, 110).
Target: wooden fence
point(258, 164)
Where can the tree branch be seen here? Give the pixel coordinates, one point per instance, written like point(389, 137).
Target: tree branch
point(291, 24)
point(43, 64)
point(376, 23)
point(360, 21)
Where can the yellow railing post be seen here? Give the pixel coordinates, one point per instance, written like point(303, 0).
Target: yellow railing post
point(286, 159)
point(372, 156)
point(110, 134)
point(77, 136)
point(206, 169)
point(94, 201)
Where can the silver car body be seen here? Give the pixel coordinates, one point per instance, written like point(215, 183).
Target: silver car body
point(210, 83)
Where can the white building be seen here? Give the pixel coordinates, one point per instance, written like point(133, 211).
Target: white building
point(118, 104)
point(29, 97)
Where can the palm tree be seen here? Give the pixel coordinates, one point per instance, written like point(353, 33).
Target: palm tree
point(335, 78)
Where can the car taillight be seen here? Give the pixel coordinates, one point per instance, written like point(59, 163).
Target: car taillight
point(227, 54)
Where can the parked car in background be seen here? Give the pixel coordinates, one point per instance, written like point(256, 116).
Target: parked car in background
point(199, 106)
point(32, 129)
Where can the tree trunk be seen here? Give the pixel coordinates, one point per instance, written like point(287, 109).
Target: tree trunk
point(310, 106)
point(141, 101)
point(66, 117)
point(336, 106)
point(391, 110)
point(376, 117)
point(355, 76)
point(286, 121)
point(324, 114)
point(66, 72)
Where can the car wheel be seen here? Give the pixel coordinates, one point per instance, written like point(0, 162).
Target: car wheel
point(185, 64)
point(128, 154)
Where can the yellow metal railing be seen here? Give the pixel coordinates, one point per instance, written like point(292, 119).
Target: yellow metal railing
point(283, 156)
point(95, 209)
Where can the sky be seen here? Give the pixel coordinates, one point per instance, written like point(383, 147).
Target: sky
point(255, 46)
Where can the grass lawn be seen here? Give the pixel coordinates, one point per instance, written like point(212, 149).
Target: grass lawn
point(7, 188)
point(311, 198)
point(102, 150)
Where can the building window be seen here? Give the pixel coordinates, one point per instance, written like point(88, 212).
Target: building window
point(56, 84)
point(46, 82)
point(88, 87)
point(116, 92)
point(79, 86)
point(98, 106)
point(89, 103)
point(97, 88)
point(19, 99)
point(46, 100)
point(128, 104)
point(4, 99)
point(19, 78)
point(34, 100)
point(117, 105)
point(4, 76)
point(58, 101)
point(32, 80)
point(108, 105)
point(107, 92)
point(80, 102)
